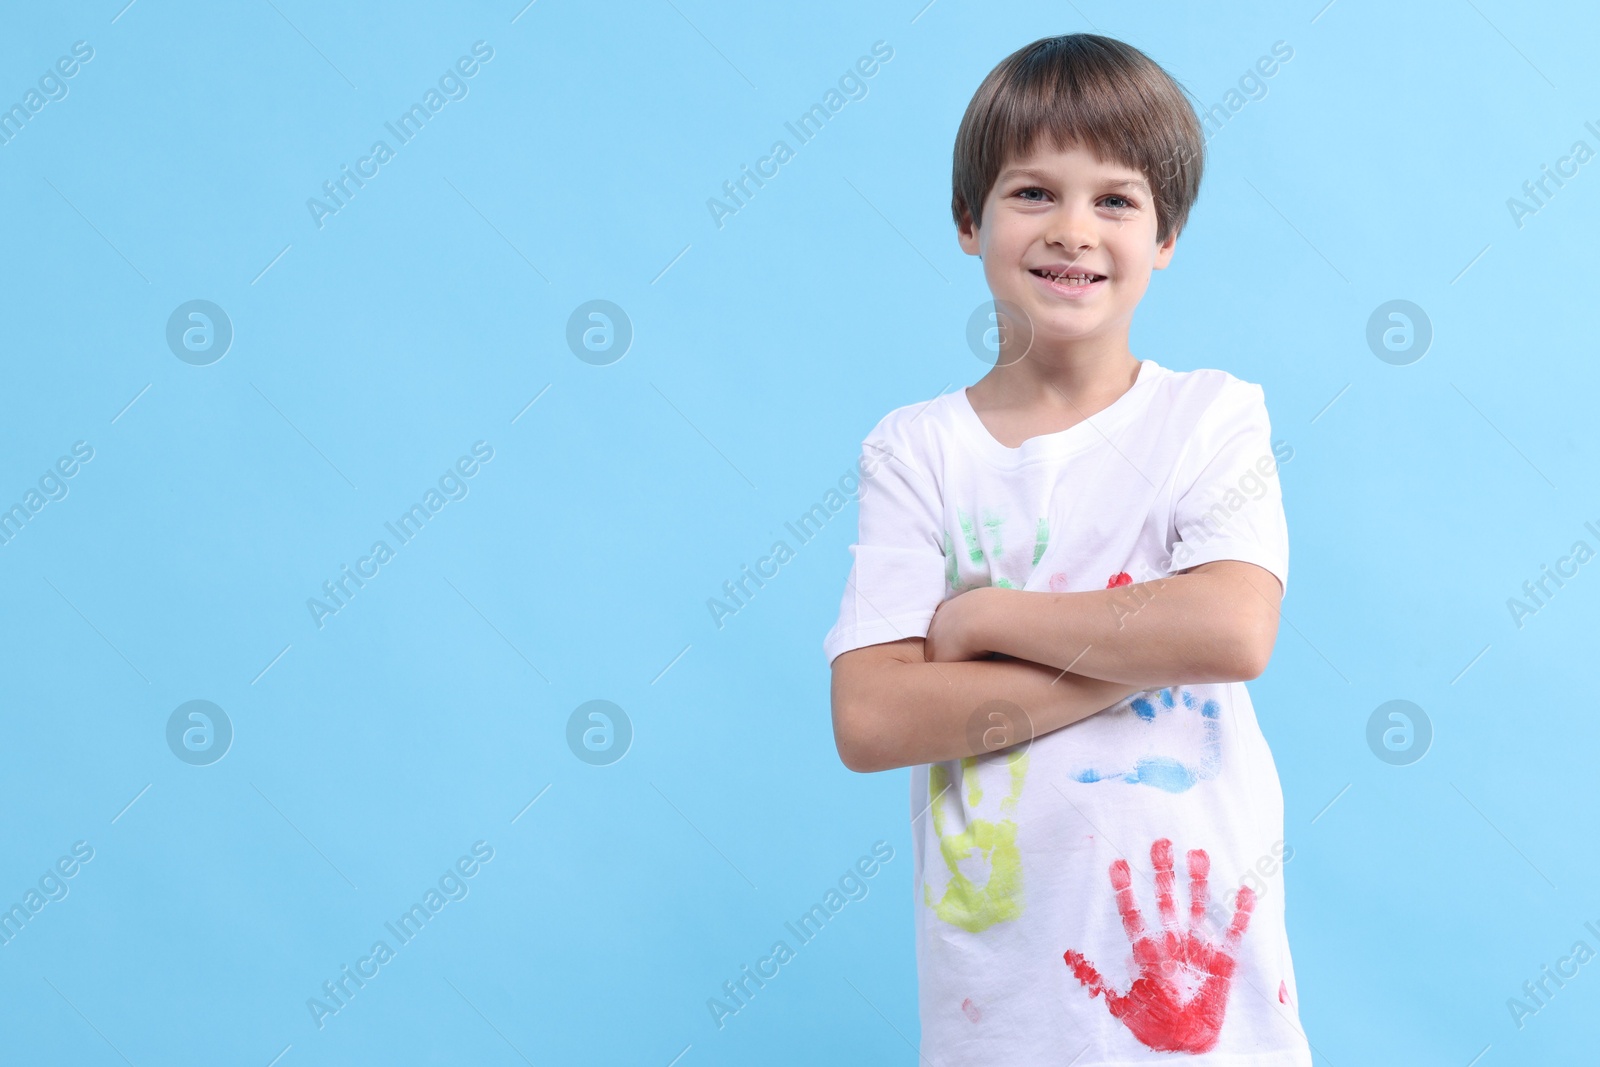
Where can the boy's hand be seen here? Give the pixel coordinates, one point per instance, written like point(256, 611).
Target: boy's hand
point(953, 634)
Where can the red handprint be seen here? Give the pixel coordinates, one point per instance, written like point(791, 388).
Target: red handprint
point(1178, 1001)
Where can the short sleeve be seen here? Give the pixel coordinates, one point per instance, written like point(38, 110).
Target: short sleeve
point(1228, 502)
point(897, 570)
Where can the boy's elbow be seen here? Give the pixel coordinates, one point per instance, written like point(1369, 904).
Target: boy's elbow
point(1253, 649)
point(857, 759)
point(1245, 615)
point(854, 741)
point(1251, 664)
point(861, 732)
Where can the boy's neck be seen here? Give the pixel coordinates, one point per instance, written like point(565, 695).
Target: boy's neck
point(1068, 383)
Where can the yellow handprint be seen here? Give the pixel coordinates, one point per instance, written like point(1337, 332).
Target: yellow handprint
point(966, 903)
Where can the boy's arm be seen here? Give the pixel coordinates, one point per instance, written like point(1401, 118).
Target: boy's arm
point(1216, 622)
point(893, 708)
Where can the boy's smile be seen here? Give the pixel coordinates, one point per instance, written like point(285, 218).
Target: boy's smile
point(1072, 241)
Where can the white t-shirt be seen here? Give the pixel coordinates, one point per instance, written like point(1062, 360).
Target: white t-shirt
point(1036, 865)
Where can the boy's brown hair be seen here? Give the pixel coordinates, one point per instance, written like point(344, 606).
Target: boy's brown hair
point(1082, 89)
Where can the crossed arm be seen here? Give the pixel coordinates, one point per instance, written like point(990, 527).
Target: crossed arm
point(1066, 656)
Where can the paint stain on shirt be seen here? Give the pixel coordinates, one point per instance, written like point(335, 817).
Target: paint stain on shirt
point(980, 854)
point(1179, 999)
point(1188, 727)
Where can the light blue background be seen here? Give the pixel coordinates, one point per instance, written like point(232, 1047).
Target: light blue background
point(428, 313)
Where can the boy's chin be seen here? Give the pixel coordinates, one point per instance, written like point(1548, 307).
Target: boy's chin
point(1072, 328)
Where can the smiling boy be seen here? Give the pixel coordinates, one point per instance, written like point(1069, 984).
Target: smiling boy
point(1064, 575)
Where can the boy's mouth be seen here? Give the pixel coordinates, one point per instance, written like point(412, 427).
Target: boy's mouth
point(1071, 278)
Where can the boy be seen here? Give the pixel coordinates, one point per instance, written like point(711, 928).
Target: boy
point(1063, 576)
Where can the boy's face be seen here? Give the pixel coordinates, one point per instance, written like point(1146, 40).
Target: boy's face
point(1067, 212)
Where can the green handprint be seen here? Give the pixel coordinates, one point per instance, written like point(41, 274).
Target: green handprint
point(966, 904)
point(990, 560)
point(991, 522)
point(951, 579)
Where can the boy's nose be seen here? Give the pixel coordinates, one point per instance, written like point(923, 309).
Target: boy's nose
point(1073, 229)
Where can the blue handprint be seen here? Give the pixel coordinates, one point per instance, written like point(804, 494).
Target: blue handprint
point(1153, 739)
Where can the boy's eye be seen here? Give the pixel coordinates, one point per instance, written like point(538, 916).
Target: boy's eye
point(1112, 200)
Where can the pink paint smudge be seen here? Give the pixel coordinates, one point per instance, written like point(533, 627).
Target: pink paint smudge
point(972, 1011)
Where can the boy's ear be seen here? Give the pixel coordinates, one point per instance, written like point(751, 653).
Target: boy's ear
point(1164, 252)
point(967, 235)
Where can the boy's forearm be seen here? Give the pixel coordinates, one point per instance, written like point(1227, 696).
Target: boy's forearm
point(1184, 629)
point(917, 712)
